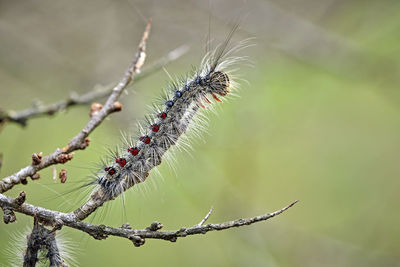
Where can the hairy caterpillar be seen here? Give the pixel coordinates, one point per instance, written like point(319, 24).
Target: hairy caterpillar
point(181, 105)
point(39, 247)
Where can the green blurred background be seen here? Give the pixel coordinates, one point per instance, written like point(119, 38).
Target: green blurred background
point(319, 122)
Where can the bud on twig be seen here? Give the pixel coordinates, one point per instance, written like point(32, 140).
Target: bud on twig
point(117, 106)
point(37, 158)
point(95, 108)
point(85, 143)
point(63, 158)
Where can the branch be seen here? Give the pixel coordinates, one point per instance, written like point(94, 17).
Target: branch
point(80, 141)
point(39, 110)
point(138, 237)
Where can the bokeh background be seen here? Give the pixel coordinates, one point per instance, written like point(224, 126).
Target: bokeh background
point(319, 121)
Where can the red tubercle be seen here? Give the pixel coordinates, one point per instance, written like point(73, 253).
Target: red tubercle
point(133, 150)
point(155, 127)
point(110, 170)
point(163, 115)
point(121, 162)
point(145, 139)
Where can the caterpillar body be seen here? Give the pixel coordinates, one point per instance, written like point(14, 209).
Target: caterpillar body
point(183, 102)
point(164, 132)
point(39, 246)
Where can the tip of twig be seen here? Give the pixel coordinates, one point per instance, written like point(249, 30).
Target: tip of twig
point(146, 31)
point(206, 217)
point(275, 213)
point(141, 52)
point(287, 207)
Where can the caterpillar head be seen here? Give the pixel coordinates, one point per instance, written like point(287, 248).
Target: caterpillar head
point(219, 83)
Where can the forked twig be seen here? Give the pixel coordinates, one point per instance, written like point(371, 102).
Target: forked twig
point(80, 141)
point(138, 237)
point(39, 110)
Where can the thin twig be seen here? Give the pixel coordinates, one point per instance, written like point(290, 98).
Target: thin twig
point(136, 236)
point(162, 62)
point(39, 110)
point(205, 218)
point(80, 141)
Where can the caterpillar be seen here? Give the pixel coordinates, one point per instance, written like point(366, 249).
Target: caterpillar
point(39, 246)
point(182, 104)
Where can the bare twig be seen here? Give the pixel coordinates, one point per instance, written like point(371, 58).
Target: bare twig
point(205, 218)
point(80, 141)
point(39, 110)
point(136, 236)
